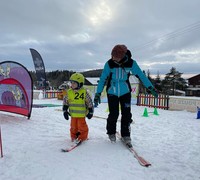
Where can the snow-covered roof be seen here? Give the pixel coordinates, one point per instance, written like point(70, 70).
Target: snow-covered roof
point(193, 89)
point(93, 80)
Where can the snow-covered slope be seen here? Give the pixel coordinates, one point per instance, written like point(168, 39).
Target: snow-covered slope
point(170, 141)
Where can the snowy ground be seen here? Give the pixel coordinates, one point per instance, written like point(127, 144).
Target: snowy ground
point(170, 141)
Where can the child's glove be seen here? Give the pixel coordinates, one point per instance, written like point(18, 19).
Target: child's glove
point(65, 112)
point(66, 115)
point(153, 91)
point(97, 99)
point(90, 113)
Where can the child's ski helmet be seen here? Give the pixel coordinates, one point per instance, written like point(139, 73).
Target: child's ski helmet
point(78, 78)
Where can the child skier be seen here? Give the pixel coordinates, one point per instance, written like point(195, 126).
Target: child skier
point(78, 104)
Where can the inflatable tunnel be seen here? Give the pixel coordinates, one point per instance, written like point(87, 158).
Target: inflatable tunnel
point(16, 88)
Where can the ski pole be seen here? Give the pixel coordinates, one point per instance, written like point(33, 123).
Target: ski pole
point(1, 143)
point(95, 116)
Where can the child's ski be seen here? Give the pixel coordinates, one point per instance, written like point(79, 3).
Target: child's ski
point(71, 148)
point(140, 159)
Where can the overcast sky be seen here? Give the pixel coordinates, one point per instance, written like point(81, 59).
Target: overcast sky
point(80, 34)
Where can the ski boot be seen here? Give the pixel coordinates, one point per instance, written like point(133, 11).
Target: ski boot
point(112, 137)
point(127, 141)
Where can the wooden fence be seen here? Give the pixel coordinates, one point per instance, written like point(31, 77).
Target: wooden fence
point(51, 94)
point(162, 101)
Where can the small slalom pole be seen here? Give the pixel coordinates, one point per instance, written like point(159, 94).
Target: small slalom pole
point(1, 143)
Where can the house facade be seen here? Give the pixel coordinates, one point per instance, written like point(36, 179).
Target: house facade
point(194, 86)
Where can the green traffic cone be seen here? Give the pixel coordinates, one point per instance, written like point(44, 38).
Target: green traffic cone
point(155, 112)
point(145, 114)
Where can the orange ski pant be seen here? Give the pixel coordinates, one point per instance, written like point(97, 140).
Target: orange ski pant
point(79, 125)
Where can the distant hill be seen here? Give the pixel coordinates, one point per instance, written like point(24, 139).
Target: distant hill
point(56, 78)
point(92, 73)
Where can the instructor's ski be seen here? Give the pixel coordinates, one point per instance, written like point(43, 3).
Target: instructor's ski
point(72, 148)
point(140, 159)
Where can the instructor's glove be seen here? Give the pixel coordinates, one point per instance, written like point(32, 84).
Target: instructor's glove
point(153, 91)
point(90, 113)
point(97, 99)
point(66, 114)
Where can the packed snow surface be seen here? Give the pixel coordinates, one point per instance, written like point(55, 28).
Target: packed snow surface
point(170, 141)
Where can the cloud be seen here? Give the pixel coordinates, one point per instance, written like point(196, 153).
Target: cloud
point(79, 35)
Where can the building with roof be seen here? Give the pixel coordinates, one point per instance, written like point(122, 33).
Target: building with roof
point(194, 86)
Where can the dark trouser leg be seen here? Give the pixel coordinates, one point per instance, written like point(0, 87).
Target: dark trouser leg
point(113, 105)
point(125, 102)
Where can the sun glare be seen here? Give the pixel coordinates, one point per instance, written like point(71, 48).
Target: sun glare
point(100, 14)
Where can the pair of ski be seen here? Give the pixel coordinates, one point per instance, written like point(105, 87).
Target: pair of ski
point(140, 159)
point(75, 145)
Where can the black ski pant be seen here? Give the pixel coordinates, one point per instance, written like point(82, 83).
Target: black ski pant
point(113, 105)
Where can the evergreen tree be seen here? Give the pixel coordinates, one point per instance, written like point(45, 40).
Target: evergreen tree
point(149, 76)
point(157, 82)
point(173, 81)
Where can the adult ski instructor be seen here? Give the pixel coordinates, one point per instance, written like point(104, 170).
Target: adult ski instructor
point(115, 75)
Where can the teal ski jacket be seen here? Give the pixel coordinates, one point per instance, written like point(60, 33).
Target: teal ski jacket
point(116, 76)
